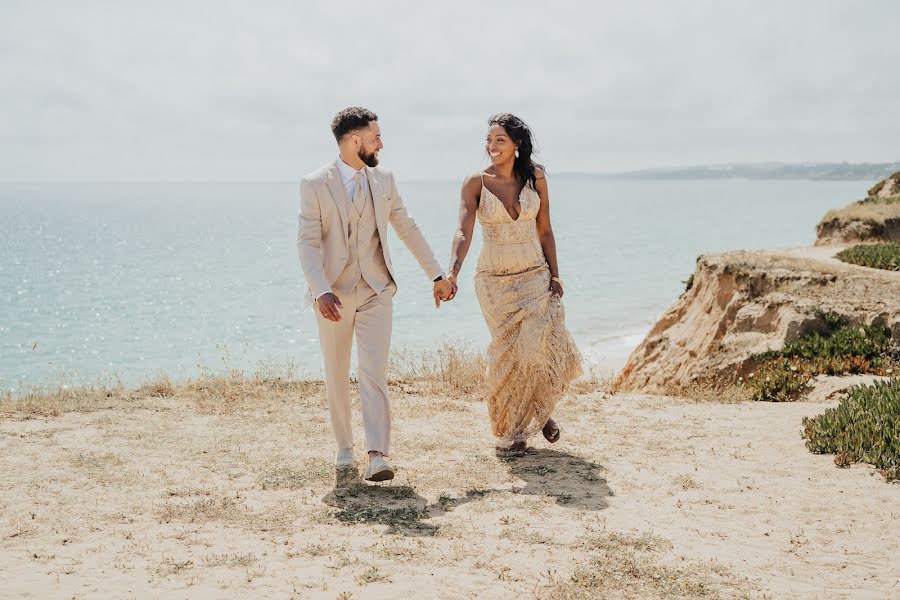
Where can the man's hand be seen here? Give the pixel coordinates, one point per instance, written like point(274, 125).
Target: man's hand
point(442, 291)
point(329, 305)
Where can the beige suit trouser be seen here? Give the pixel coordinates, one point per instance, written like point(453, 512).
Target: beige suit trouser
point(368, 314)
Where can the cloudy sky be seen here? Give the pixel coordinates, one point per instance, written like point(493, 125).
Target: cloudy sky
point(245, 91)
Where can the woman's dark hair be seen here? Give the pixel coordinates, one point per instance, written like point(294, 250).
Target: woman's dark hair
point(351, 119)
point(521, 135)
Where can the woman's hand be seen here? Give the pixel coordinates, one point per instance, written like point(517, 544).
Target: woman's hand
point(454, 288)
point(556, 288)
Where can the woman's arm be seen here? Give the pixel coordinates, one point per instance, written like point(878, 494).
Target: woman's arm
point(468, 206)
point(545, 231)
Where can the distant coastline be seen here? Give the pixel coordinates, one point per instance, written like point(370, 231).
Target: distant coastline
point(843, 171)
point(773, 171)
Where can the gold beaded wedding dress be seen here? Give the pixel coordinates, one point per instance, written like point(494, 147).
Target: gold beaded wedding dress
point(532, 357)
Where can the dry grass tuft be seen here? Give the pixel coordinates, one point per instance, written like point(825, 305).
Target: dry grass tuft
point(315, 471)
point(235, 390)
point(610, 540)
point(161, 387)
point(47, 402)
point(707, 391)
point(686, 482)
point(597, 379)
point(226, 509)
point(876, 212)
point(371, 575)
point(631, 567)
point(456, 370)
point(230, 560)
point(169, 567)
point(96, 463)
point(453, 369)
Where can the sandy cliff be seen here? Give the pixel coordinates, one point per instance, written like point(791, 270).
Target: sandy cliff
point(742, 303)
point(877, 218)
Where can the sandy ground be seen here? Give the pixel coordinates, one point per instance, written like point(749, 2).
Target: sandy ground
point(644, 497)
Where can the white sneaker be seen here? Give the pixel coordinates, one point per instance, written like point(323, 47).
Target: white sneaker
point(344, 458)
point(379, 469)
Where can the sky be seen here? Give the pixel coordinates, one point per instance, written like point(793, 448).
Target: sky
point(240, 91)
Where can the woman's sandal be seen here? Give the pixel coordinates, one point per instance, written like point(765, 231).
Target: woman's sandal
point(551, 431)
point(517, 449)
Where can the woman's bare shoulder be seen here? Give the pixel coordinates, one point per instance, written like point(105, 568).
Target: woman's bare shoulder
point(472, 183)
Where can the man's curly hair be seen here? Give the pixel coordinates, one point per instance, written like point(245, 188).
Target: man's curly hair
point(350, 119)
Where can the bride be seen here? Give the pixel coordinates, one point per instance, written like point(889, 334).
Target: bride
point(531, 357)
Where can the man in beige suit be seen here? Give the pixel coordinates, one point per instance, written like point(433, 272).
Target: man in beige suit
point(345, 208)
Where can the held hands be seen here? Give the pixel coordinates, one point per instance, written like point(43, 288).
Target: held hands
point(329, 305)
point(444, 291)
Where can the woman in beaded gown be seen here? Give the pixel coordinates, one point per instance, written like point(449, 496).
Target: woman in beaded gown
point(531, 357)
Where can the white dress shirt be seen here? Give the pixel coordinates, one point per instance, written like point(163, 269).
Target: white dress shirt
point(347, 174)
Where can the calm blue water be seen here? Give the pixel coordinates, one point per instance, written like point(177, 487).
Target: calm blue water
point(131, 279)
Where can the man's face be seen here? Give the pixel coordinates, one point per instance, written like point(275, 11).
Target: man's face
point(369, 143)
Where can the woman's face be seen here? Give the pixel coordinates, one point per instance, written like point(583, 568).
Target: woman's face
point(499, 146)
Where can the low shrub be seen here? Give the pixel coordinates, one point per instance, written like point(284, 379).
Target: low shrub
point(840, 349)
point(864, 427)
point(778, 380)
point(839, 339)
point(878, 256)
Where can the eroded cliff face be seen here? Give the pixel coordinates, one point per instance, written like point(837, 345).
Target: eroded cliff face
point(875, 219)
point(886, 187)
point(881, 225)
point(743, 303)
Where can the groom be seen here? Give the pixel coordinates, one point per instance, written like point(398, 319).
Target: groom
point(342, 239)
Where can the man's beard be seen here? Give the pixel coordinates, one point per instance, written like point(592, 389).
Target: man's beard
point(370, 159)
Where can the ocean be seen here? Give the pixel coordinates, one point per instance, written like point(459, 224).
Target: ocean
point(127, 280)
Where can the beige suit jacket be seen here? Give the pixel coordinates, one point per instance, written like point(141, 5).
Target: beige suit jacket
point(323, 227)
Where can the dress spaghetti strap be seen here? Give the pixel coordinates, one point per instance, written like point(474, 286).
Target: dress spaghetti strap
point(481, 191)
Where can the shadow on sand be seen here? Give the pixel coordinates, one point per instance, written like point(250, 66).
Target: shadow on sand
point(397, 506)
point(571, 480)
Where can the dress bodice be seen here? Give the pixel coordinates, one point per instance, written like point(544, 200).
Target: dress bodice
point(509, 245)
point(497, 224)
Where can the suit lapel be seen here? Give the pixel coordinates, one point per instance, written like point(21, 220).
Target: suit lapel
point(339, 195)
point(378, 200)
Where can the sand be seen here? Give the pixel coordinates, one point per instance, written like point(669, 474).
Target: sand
point(643, 497)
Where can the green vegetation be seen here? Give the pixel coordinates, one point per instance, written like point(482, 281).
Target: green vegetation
point(878, 256)
point(864, 427)
point(778, 380)
point(837, 340)
point(783, 375)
